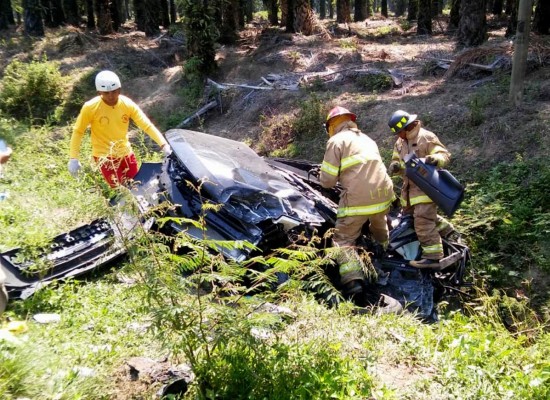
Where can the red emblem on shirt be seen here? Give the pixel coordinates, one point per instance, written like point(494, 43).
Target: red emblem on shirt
point(125, 118)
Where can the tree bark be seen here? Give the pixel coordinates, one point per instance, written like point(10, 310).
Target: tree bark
point(435, 7)
point(32, 16)
point(498, 7)
point(343, 12)
point(228, 30)
point(164, 13)
point(115, 16)
point(424, 17)
point(412, 11)
point(290, 16)
point(454, 17)
point(513, 20)
point(384, 6)
point(173, 12)
point(284, 12)
point(322, 9)
point(104, 22)
point(90, 18)
point(472, 29)
point(400, 7)
point(6, 14)
point(358, 14)
point(71, 12)
point(541, 23)
point(521, 48)
point(53, 15)
point(303, 20)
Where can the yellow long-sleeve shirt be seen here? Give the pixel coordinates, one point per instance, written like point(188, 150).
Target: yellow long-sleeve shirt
point(109, 127)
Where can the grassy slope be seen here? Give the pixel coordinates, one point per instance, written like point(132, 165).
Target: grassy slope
point(462, 357)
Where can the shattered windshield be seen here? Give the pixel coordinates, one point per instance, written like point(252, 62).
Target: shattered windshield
point(234, 175)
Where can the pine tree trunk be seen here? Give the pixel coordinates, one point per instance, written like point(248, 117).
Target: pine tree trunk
point(104, 22)
point(400, 7)
point(6, 14)
point(359, 13)
point(115, 16)
point(513, 20)
point(284, 12)
point(322, 9)
point(173, 12)
point(71, 12)
point(164, 13)
point(384, 5)
point(541, 23)
point(424, 17)
point(435, 8)
point(32, 16)
point(139, 10)
point(53, 13)
point(498, 7)
point(343, 11)
point(228, 30)
point(472, 29)
point(303, 20)
point(454, 18)
point(412, 11)
point(290, 16)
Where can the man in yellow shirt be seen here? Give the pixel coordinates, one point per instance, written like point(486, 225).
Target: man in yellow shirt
point(108, 116)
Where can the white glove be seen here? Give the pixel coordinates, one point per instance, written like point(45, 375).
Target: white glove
point(166, 149)
point(74, 166)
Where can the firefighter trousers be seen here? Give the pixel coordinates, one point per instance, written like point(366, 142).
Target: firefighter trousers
point(425, 225)
point(348, 229)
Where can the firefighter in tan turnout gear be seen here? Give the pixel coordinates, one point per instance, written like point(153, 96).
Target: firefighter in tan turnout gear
point(413, 138)
point(353, 159)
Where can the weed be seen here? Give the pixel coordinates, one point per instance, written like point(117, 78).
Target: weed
point(375, 82)
point(348, 43)
point(31, 91)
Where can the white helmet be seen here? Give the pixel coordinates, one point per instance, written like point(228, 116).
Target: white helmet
point(107, 81)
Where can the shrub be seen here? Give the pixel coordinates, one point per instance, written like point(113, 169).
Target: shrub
point(375, 82)
point(31, 91)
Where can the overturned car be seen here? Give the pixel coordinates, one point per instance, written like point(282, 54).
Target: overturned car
point(265, 202)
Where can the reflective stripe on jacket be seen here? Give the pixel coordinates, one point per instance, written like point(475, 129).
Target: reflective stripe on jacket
point(353, 159)
point(423, 143)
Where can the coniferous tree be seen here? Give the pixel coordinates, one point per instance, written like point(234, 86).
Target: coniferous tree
point(498, 7)
point(303, 17)
point(424, 17)
point(104, 21)
point(512, 10)
point(412, 10)
point(360, 10)
point(6, 14)
point(454, 17)
point(541, 22)
point(90, 18)
point(384, 7)
point(72, 13)
point(32, 16)
point(343, 11)
point(472, 29)
point(52, 13)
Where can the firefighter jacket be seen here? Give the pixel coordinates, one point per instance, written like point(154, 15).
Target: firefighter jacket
point(353, 159)
point(422, 143)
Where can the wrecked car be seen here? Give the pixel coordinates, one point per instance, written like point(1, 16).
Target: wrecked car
point(265, 202)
